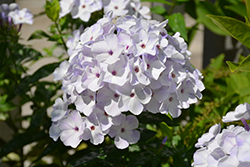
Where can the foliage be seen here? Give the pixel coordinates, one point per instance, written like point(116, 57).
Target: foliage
point(224, 91)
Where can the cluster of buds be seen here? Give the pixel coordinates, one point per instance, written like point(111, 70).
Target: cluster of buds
point(11, 14)
point(231, 147)
point(83, 8)
point(133, 65)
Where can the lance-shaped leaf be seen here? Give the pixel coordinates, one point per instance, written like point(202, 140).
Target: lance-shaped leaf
point(235, 28)
point(177, 23)
point(243, 66)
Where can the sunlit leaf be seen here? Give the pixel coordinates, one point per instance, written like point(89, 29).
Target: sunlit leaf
point(52, 9)
point(248, 8)
point(235, 28)
point(243, 66)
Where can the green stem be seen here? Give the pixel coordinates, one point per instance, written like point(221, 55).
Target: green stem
point(172, 7)
point(60, 33)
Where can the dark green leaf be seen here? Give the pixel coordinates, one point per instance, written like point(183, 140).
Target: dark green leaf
point(52, 9)
point(20, 141)
point(95, 155)
point(177, 24)
point(235, 28)
point(240, 9)
point(38, 34)
point(167, 151)
point(142, 158)
point(147, 117)
point(42, 72)
point(37, 118)
point(39, 74)
point(146, 135)
point(49, 148)
point(203, 8)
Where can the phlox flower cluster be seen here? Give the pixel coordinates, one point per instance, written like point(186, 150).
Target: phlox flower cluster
point(228, 148)
point(83, 8)
point(11, 14)
point(133, 65)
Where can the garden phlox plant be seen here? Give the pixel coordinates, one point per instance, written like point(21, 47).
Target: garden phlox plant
point(117, 71)
point(230, 147)
point(12, 15)
point(83, 8)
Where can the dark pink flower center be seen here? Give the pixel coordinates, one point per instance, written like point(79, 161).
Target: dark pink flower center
point(92, 127)
point(143, 46)
point(110, 52)
point(76, 129)
point(91, 97)
point(148, 66)
point(173, 75)
point(83, 6)
point(116, 95)
point(105, 113)
point(182, 90)
point(122, 130)
point(116, 7)
point(170, 99)
point(114, 72)
point(137, 69)
point(97, 75)
point(132, 95)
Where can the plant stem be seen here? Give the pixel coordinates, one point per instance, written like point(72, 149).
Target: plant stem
point(172, 7)
point(60, 33)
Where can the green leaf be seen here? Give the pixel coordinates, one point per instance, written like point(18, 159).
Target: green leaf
point(20, 141)
point(38, 34)
point(160, 1)
point(147, 118)
point(203, 8)
point(158, 10)
point(235, 28)
point(216, 63)
point(177, 23)
point(248, 8)
point(146, 135)
point(49, 148)
point(42, 72)
point(39, 74)
point(4, 105)
point(52, 9)
point(240, 9)
point(243, 66)
point(166, 130)
point(142, 158)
